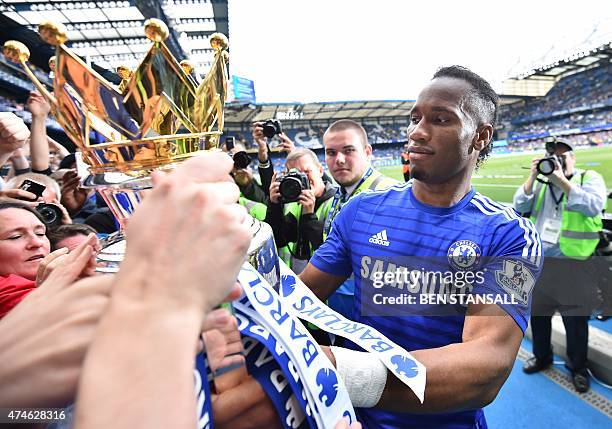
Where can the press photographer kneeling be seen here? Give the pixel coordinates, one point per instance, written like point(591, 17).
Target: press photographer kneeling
point(299, 202)
point(566, 207)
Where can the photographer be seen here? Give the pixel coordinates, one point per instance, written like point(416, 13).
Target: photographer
point(263, 131)
point(347, 155)
point(299, 203)
point(243, 177)
point(566, 210)
point(242, 171)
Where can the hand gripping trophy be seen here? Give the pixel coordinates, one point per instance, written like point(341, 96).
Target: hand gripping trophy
point(157, 117)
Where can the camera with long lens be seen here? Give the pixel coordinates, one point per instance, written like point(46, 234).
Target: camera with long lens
point(241, 158)
point(271, 127)
point(546, 166)
point(51, 214)
point(291, 185)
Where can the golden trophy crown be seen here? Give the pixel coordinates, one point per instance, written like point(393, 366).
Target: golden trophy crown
point(156, 117)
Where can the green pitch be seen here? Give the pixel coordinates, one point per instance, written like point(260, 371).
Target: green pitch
point(501, 175)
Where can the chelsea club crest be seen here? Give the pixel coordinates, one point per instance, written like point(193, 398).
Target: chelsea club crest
point(463, 254)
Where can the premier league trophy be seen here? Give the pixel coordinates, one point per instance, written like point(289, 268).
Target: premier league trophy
point(158, 116)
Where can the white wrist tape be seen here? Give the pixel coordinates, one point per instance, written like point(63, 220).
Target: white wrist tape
point(363, 374)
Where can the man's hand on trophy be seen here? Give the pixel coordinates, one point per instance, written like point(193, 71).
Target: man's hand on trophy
point(38, 105)
point(42, 356)
point(245, 406)
point(204, 168)
point(187, 240)
point(224, 351)
point(63, 266)
point(222, 340)
point(13, 133)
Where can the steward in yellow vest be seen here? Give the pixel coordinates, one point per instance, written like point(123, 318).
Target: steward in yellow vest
point(347, 155)
point(579, 234)
point(566, 207)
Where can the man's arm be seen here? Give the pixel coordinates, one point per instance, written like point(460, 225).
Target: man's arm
point(466, 375)
point(589, 198)
point(284, 228)
point(524, 197)
point(461, 376)
point(156, 365)
point(266, 169)
point(252, 190)
point(321, 283)
point(521, 201)
point(58, 148)
point(265, 175)
point(20, 162)
point(39, 144)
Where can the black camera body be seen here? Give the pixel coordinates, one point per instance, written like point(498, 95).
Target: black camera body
point(52, 215)
point(271, 127)
point(241, 158)
point(292, 183)
point(546, 166)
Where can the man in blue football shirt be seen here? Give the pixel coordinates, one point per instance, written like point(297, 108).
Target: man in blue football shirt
point(469, 351)
point(468, 356)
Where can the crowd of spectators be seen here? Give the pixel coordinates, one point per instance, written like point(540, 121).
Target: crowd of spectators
point(311, 137)
point(9, 104)
point(594, 139)
point(580, 103)
point(583, 90)
point(574, 121)
point(11, 74)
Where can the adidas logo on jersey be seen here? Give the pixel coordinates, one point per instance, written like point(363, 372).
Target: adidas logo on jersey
point(380, 238)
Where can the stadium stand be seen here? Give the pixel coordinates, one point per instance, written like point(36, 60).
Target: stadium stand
point(578, 108)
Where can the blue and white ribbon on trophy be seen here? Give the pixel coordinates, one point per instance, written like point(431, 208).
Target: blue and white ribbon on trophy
point(271, 366)
point(309, 308)
point(288, 363)
point(327, 396)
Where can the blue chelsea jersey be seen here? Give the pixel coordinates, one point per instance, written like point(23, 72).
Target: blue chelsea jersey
point(379, 231)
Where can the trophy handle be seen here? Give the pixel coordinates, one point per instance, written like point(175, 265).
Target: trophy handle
point(17, 52)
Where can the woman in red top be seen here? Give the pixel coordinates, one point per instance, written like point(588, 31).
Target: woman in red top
point(23, 245)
